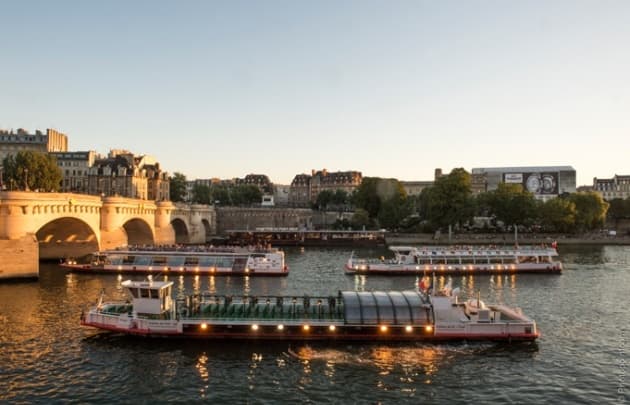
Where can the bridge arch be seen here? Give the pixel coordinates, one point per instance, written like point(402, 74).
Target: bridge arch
point(66, 237)
point(181, 231)
point(138, 232)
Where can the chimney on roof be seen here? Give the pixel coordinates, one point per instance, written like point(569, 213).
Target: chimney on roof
point(438, 173)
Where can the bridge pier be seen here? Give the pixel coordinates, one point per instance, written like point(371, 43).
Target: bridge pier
point(20, 258)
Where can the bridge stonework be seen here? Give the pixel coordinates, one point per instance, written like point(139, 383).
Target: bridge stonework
point(36, 226)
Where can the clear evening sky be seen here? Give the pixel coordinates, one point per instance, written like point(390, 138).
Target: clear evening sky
point(389, 88)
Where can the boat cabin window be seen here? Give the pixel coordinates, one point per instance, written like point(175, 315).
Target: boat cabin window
point(176, 260)
point(144, 293)
point(159, 260)
point(115, 259)
point(208, 261)
point(225, 261)
point(191, 261)
point(128, 259)
point(134, 292)
point(143, 260)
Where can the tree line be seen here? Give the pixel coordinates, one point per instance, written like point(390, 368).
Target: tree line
point(232, 195)
point(450, 202)
point(382, 203)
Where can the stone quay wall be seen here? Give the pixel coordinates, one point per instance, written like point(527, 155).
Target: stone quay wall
point(232, 218)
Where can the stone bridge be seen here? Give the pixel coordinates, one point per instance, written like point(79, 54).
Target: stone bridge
point(36, 226)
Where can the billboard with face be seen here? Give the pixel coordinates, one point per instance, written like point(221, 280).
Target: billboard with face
point(538, 183)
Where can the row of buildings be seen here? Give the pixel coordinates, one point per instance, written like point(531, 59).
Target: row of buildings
point(120, 173)
point(124, 174)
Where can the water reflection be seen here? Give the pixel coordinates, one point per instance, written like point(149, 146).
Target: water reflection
point(212, 286)
point(359, 282)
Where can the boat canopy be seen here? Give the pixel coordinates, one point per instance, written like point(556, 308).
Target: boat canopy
point(386, 308)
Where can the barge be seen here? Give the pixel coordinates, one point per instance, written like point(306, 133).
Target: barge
point(208, 261)
point(447, 260)
point(348, 316)
point(306, 238)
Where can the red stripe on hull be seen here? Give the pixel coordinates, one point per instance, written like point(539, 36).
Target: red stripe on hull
point(88, 269)
point(340, 336)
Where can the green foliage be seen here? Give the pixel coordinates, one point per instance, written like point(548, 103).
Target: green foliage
point(511, 204)
point(201, 194)
point(242, 194)
point(324, 199)
point(340, 197)
point(590, 210)
point(361, 219)
point(557, 215)
point(450, 201)
point(382, 199)
point(341, 224)
point(329, 199)
point(29, 170)
point(177, 187)
point(618, 209)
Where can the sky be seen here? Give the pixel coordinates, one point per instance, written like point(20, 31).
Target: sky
point(388, 88)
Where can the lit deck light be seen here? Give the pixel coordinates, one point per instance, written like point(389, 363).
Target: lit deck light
point(428, 328)
point(408, 329)
point(306, 328)
point(332, 328)
point(383, 328)
point(165, 268)
point(150, 268)
point(181, 269)
point(204, 326)
point(254, 327)
point(246, 270)
point(281, 327)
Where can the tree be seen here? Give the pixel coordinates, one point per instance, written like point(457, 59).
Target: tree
point(590, 210)
point(360, 219)
point(340, 198)
point(449, 201)
point(512, 205)
point(374, 191)
point(201, 194)
point(29, 170)
point(365, 196)
point(618, 209)
point(557, 215)
point(177, 187)
point(324, 199)
point(221, 195)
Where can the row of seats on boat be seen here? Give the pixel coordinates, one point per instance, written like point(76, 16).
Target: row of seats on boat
point(266, 310)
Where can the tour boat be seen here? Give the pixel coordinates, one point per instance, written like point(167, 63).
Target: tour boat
point(209, 261)
point(447, 260)
point(416, 315)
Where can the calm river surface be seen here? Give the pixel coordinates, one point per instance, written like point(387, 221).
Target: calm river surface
point(584, 316)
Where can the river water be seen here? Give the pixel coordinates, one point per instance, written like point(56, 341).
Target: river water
point(45, 356)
